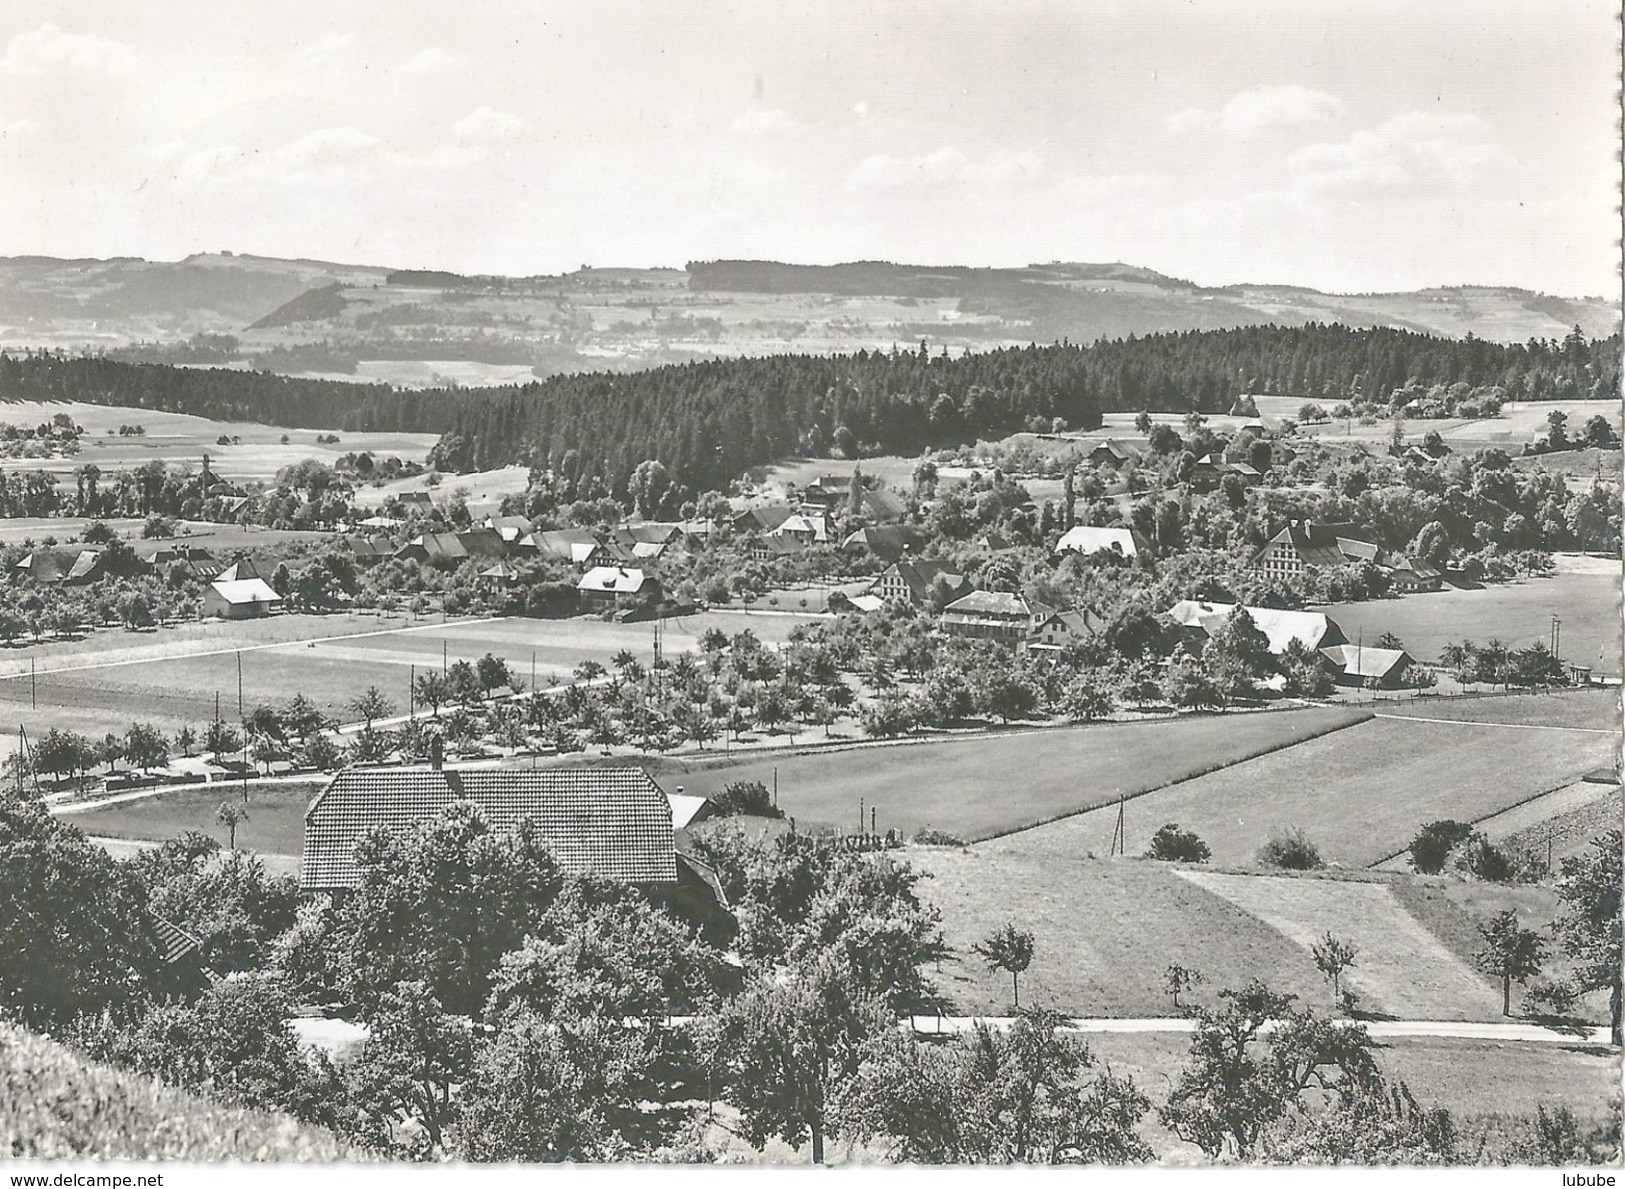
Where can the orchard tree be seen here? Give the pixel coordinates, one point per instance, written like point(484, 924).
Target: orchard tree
point(413, 1057)
point(782, 1050)
point(371, 706)
point(1009, 949)
point(1332, 957)
point(1510, 953)
point(1589, 929)
point(231, 815)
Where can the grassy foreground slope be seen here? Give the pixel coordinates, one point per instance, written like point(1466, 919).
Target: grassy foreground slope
point(56, 1105)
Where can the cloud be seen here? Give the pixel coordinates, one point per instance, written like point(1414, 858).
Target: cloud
point(323, 50)
point(429, 61)
point(943, 167)
point(50, 48)
point(488, 124)
point(327, 147)
point(1260, 108)
point(762, 121)
point(1411, 149)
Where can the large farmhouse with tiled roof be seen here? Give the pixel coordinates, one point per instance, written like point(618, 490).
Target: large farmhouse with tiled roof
point(612, 823)
point(1303, 546)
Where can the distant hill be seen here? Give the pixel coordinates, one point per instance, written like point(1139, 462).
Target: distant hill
point(58, 1105)
point(317, 317)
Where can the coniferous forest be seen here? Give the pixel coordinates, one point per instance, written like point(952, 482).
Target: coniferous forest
point(708, 421)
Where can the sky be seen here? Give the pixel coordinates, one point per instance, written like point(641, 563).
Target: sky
point(1348, 145)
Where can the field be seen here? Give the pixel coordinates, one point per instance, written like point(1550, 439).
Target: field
point(180, 439)
point(171, 678)
point(275, 825)
point(1519, 422)
point(965, 786)
point(57, 1105)
point(1401, 968)
point(1360, 794)
point(479, 486)
point(1585, 593)
point(1105, 932)
point(220, 539)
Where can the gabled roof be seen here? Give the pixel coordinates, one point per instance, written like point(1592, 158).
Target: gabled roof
point(1088, 538)
point(614, 580)
point(918, 574)
point(886, 540)
point(1311, 628)
point(881, 505)
point(1325, 544)
point(434, 545)
point(573, 544)
point(763, 519)
point(989, 602)
point(1080, 622)
point(238, 570)
point(48, 565)
point(482, 542)
point(611, 822)
point(801, 525)
point(509, 528)
point(245, 590)
point(87, 566)
point(686, 809)
point(1357, 661)
point(1113, 448)
point(501, 571)
point(174, 943)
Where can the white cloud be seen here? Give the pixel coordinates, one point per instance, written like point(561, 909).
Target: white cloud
point(762, 121)
point(1438, 149)
point(1259, 108)
point(428, 61)
point(943, 167)
point(51, 48)
point(327, 147)
point(323, 50)
point(488, 124)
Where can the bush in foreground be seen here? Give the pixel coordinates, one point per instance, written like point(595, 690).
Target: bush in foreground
point(1291, 851)
point(1173, 845)
point(57, 1105)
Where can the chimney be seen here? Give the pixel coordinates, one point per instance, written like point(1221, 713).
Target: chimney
point(437, 753)
point(679, 790)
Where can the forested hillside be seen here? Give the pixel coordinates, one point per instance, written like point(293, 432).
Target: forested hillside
point(709, 421)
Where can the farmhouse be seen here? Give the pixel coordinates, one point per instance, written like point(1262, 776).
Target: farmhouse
point(804, 528)
point(240, 569)
point(1312, 629)
point(886, 541)
point(1060, 629)
point(244, 598)
point(1302, 546)
point(1111, 453)
point(433, 547)
point(613, 823)
point(616, 586)
point(59, 566)
point(574, 545)
point(1087, 539)
point(1354, 664)
point(509, 528)
point(882, 507)
point(907, 581)
point(824, 495)
point(988, 615)
point(762, 520)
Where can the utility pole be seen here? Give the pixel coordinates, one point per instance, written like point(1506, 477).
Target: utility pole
point(775, 786)
point(240, 688)
point(443, 658)
point(33, 685)
point(411, 691)
point(860, 814)
point(1120, 830)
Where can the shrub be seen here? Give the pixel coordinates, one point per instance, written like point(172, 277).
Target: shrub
point(1433, 844)
point(927, 836)
point(1291, 851)
point(1173, 845)
point(1550, 997)
point(1478, 857)
point(745, 797)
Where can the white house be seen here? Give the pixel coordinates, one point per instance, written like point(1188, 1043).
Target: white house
point(1088, 538)
point(241, 598)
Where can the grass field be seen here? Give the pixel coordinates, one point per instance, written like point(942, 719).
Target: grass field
point(481, 486)
point(171, 678)
point(969, 786)
point(1519, 613)
point(1104, 930)
point(1401, 968)
point(221, 539)
point(1595, 709)
point(181, 439)
point(275, 825)
point(1519, 422)
point(1360, 794)
point(57, 1105)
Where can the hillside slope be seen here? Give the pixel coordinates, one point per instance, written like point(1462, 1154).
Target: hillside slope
point(57, 1105)
point(299, 316)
